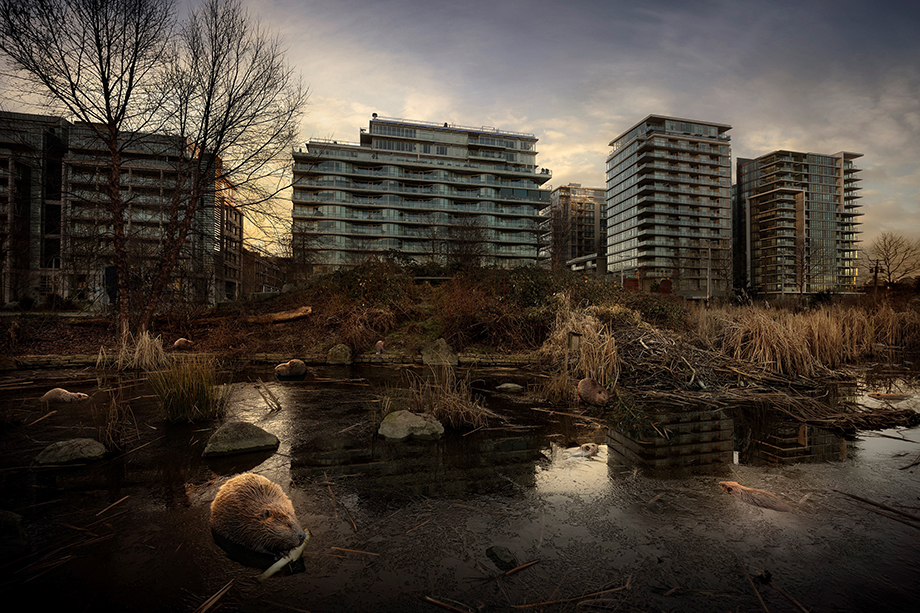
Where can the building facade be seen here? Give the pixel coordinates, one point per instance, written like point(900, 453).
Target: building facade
point(57, 231)
point(668, 211)
point(424, 191)
point(573, 228)
point(796, 215)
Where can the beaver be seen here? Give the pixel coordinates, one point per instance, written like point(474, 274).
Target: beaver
point(593, 393)
point(587, 450)
point(254, 512)
point(182, 343)
point(758, 498)
point(59, 394)
point(291, 368)
point(379, 348)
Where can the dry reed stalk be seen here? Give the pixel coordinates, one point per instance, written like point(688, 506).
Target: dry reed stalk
point(449, 399)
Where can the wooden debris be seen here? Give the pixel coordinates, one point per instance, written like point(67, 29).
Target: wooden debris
point(574, 599)
point(880, 505)
point(210, 602)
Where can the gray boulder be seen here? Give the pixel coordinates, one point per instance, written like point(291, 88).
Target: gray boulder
point(69, 452)
point(240, 437)
point(339, 354)
point(400, 425)
point(439, 353)
point(510, 388)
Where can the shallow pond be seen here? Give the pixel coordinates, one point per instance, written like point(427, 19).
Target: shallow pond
point(394, 524)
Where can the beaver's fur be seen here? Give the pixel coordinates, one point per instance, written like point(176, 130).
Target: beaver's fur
point(758, 498)
point(291, 368)
point(254, 512)
point(593, 393)
point(59, 394)
point(182, 343)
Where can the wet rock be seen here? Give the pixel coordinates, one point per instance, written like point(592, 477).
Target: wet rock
point(510, 388)
point(400, 425)
point(502, 557)
point(339, 354)
point(69, 452)
point(593, 393)
point(439, 353)
point(13, 541)
point(240, 437)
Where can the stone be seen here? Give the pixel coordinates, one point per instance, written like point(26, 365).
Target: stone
point(339, 354)
point(69, 452)
point(13, 541)
point(240, 437)
point(593, 393)
point(400, 425)
point(502, 557)
point(439, 353)
point(510, 388)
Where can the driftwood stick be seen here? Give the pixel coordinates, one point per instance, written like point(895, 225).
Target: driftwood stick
point(753, 587)
point(508, 573)
point(368, 553)
point(210, 602)
point(111, 505)
point(880, 505)
point(576, 598)
point(894, 517)
point(789, 598)
point(444, 605)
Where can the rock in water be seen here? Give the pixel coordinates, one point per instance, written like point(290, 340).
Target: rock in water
point(758, 498)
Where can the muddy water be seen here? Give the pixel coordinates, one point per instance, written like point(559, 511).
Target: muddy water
point(396, 523)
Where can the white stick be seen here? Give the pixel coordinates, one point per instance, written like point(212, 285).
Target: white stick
point(291, 556)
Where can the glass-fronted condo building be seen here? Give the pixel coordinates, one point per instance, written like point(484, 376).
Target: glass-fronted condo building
point(668, 209)
point(797, 215)
point(573, 228)
point(426, 191)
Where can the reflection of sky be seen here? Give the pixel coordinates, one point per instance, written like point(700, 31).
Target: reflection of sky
point(819, 76)
point(584, 478)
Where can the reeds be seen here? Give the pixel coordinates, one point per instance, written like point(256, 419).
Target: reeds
point(806, 343)
point(190, 390)
point(144, 353)
point(449, 399)
point(115, 422)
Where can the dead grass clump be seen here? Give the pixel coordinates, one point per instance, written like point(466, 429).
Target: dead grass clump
point(449, 399)
point(190, 390)
point(115, 422)
point(597, 356)
point(143, 353)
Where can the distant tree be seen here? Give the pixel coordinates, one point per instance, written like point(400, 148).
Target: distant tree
point(217, 83)
point(466, 244)
point(895, 257)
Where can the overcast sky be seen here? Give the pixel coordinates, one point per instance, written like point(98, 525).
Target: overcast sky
point(816, 76)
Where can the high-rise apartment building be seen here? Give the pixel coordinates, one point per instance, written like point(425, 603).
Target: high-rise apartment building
point(56, 233)
point(668, 205)
point(426, 191)
point(573, 228)
point(796, 216)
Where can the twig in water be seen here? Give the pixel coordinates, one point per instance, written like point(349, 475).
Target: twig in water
point(41, 418)
point(880, 505)
point(368, 553)
point(788, 597)
point(111, 505)
point(207, 604)
point(444, 605)
point(508, 573)
point(418, 526)
point(903, 521)
point(565, 600)
point(753, 587)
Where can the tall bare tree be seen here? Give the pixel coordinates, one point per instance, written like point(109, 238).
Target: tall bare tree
point(217, 85)
point(894, 256)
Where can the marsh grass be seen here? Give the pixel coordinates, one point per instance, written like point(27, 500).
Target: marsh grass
point(597, 356)
point(143, 353)
point(805, 343)
point(115, 423)
point(190, 390)
point(448, 398)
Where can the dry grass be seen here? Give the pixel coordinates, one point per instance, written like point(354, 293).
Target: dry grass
point(115, 422)
point(144, 353)
point(597, 356)
point(190, 390)
point(807, 343)
point(449, 399)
